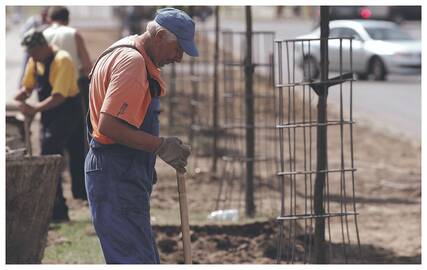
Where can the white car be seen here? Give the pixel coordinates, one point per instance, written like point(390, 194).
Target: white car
point(379, 48)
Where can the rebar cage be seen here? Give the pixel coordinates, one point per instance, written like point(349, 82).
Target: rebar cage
point(297, 123)
point(232, 125)
point(190, 92)
point(286, 124)
point(190, 112)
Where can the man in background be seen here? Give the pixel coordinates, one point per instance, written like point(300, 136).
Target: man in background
point(69, 39)
point(38, 22)
point(50, 72)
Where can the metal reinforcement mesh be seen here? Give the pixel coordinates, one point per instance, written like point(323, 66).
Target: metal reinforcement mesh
point(232, 125)
point(187, 109)
point(188, 112)
point(297, 126)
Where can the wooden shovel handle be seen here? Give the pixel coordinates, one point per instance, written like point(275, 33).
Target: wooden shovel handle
point(183, 209)
point(27, 129)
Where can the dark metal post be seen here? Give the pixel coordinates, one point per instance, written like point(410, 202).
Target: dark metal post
point(194, 101)
point(172, 91)
point(322, 154)
point(215, 95)
point(249, 104)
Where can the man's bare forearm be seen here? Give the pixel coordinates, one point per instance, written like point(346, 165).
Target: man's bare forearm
point(124, 134)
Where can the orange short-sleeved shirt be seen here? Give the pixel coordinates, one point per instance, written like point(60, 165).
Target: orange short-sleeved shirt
point(119, 86)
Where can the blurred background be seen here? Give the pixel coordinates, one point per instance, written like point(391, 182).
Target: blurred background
point(386, 107)
point(379, 100)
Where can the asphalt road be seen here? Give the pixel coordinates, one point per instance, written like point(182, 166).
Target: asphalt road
point(393, 105)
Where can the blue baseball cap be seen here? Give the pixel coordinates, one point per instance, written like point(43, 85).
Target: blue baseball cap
point(181, 25)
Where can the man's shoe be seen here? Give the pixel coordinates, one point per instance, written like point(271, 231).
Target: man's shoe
point(60, 218)
point(80, 195)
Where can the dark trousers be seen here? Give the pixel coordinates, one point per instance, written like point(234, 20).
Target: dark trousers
point(59, 133)
point(83, 84)
point(77, 153)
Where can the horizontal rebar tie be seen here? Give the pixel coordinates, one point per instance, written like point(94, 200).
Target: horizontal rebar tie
point(315, 124)
point(311, 39)
point(314, 172)
point(191, 78)
point(241, 64)
point(202, 128)
point(246, 127)
point(257, 33)
point(308, 216)
point(245, 159)
point(308, 83)
point(233, 95)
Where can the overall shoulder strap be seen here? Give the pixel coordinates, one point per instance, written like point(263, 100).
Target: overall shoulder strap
point(153, 84)
point(109, 50)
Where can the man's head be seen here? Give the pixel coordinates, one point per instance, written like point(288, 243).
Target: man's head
point(165, 48)
point(59, 14)
point(43, 13)
point(171, 33)
point(36, 45)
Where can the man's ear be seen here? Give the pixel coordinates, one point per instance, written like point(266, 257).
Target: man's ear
point(161, 34)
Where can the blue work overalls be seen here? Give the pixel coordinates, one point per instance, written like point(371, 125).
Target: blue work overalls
point(62, 128)
point(119, 181)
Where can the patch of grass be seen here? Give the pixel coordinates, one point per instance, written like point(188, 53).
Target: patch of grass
point(74, 242)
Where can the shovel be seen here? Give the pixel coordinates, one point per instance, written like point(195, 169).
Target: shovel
point(27, 126)
point(27, 132)
point(185, 228)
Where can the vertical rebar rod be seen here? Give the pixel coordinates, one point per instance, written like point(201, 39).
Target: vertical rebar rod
point(282, 157)
point(215, 95)
point(305, 158)
point(229, 200)
point(172, 92)
point(342, 174)
point(276, 149)
point(194, 101)
point(226, 113)
point(289, 147)
point(295, 156)
point(250, 131)
point(352, 154)
point(310, 158)
point(221, 186)
point(240, 95)
point(322, 155)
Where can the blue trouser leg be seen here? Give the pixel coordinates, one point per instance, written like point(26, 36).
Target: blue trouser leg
point(119, 182)
point(119, 191)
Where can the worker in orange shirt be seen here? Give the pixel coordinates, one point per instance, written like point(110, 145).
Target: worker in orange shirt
point(124, 130)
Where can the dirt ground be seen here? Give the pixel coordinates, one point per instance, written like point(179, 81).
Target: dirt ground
point(388, 196)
